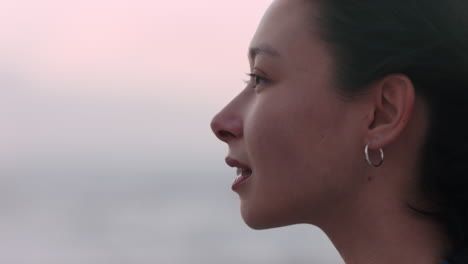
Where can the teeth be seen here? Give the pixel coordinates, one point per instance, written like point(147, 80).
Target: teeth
point(242, 176)
point(243, 171)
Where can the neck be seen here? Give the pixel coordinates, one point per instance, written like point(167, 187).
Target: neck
point(377, 228)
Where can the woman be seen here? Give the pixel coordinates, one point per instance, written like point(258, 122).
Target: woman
point(333, 86)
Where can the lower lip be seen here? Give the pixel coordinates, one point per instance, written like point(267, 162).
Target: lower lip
point(240, 180)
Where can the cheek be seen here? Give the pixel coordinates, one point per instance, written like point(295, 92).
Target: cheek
point(289, 135)
point(276, 136)
point(284, 143)
point(296, 152)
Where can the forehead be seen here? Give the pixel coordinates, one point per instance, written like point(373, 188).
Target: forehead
point(287, 26)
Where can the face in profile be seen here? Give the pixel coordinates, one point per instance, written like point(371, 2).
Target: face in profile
point(289, 126)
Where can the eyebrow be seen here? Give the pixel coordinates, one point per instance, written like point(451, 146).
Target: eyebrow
point(264, 49)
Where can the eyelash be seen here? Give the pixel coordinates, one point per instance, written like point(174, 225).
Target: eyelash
point(257, 78)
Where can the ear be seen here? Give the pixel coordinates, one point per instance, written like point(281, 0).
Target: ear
point(392, 101)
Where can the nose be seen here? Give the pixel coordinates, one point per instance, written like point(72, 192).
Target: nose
point(226, 125)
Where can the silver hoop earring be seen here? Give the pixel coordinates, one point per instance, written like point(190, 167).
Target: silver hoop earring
point(368, 159)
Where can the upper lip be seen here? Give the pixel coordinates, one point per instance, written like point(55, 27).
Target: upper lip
point(235, 163)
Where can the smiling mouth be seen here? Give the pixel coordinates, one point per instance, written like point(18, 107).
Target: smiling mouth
point(242, 176)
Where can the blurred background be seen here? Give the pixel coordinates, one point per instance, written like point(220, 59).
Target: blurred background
point(106, 154)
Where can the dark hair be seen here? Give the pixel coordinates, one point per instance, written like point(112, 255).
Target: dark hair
point(427, 40)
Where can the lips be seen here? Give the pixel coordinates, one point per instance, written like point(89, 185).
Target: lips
point(235, 163)
point(244, 172)
point(242, 176)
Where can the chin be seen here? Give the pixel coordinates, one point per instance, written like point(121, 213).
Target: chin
point(259, 221)
point(259, 225)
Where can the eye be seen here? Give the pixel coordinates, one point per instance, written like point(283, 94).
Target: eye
point(256, 80)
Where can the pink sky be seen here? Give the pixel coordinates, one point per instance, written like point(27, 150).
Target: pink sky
point(136, 41)
point(79, 62)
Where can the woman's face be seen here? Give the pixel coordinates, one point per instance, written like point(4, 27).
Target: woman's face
point(302, 141)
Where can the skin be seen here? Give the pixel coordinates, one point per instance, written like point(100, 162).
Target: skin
point(305, 144)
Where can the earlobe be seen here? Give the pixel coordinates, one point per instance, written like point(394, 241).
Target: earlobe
point(392, 102)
